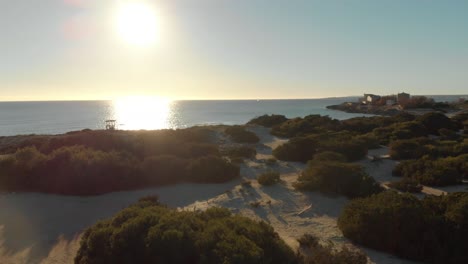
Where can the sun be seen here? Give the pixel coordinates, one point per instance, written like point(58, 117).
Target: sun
point(142, 112)
point(136, 23)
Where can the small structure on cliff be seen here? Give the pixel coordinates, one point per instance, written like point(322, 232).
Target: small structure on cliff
point(370, 98)
point(403, 97)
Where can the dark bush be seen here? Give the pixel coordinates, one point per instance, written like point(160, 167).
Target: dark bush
point(268, 120)
point(150, 233)
point(352, 149)
point(240, 152)
point(407, 185)
point(212, 169)
point(337, 178)
point(329, 156)
point(298, 127)
point(461, 118)
point(240, 135)
point(164, 169)
point(397, 131)
point(434, 121)
point(434, 230)
point(186, 143)
point(409, 149)
point(326, 254)
point(368, 140)
point(434, 172)
point(297, 149)
point(303, 149)
point(269, 178)
point(79, 170)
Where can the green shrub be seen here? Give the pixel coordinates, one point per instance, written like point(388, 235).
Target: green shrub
point(268, 120)
point(271, 161)
point(78, 170)
point(434, 172)
point(298, 127)
point(212, 169)
point(407, 185)
point(240, 135)
point(352, 149)
point(368, 140)
point(434, 230)
point(269, 178)
point(184, 143)
point(337, 178)
point(150, 233)
point(434, 121)
point(409, 149)
point(326, 254)
point(296, 149)
point(240, 152)
point(164, 169)
point(329, 156)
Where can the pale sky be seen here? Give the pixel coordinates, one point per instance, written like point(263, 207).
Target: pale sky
point(233, 49)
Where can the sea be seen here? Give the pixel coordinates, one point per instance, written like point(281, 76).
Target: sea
point(56, 117)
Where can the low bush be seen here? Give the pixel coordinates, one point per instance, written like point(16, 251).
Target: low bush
point(409, 149)
point(268, 120)
point(296, 149)
point(398, 131)
point(212, 169)
point(269, 178)
point(432, 230)
point(148, 232)
point(434, 121)
point(407, 185)
point(298, 127)
point(327, 254)
point(303, 149)
point(434, 172)
point(240, 135)
point(329, 156)
point(337, 178)
point(240, 152)
point(78, 170)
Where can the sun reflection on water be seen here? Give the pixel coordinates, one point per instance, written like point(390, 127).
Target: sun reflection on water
point(142, 112)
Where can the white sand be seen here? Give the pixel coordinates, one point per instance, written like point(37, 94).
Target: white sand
point(42, 228)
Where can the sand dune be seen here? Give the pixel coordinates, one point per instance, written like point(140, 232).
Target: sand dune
point(43, 228)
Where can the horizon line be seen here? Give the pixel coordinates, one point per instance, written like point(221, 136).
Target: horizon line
point(220, 99)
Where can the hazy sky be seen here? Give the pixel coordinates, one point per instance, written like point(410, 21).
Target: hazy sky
point(227, 49)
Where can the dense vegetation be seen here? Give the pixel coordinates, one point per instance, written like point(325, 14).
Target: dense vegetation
point(320, 253)
point(96, 162)
point(353, 137)
point(435, 172)
point(187, 143)
point(269, 178)
point(148, 232)
point(433, 230)
point(407, 185)
point(303, 126)
point(305, 148)
point(239, 152)
point(240, 135)
point(334, 177)
point(268, 120)
point(79, 170)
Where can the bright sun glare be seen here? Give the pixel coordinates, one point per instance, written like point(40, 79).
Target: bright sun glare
point(136, 23)
point(142, 112)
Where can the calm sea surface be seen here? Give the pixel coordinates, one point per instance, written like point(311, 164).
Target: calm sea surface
point(131, 114)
